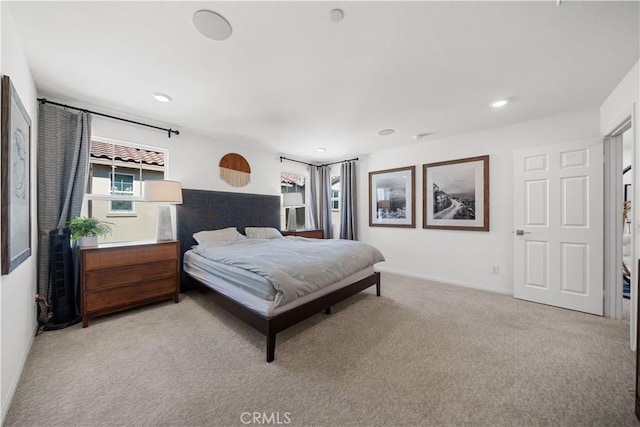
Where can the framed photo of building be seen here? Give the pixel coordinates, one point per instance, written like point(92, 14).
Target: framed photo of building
point(392, 197)
point(15, 211)
point(456, 194)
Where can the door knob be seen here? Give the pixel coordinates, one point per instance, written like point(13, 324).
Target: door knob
point(522, 232)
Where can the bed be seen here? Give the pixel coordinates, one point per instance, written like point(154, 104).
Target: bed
point(209, 210)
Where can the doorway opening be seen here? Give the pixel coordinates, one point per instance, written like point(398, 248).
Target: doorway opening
point(620, 269)
point(627, 213)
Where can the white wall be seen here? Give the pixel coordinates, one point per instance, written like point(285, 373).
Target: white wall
point(17, 307)
point(621, 101)
point(464, 257)
point(194, 159)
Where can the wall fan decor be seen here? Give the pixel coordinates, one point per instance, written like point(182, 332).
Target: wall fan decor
point(235, 170)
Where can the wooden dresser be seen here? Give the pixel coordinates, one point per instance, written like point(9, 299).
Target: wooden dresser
point(119, 276)
point(311, 234)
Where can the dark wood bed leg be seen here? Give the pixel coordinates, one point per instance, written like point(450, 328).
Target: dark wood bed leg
point(327, 310)
point(271, 347)
point(377, 283)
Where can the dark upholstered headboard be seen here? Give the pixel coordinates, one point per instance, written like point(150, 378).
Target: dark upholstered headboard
point(210, 210)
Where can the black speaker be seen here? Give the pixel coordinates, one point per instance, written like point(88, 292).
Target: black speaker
point(62, 292)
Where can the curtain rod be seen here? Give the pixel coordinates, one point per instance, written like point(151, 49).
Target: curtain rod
point(318, 166)
point(341, 161)
point(169, 131)
point(296, 161)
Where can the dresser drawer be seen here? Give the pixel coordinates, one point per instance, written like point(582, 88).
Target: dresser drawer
point(128, 295)
point(101, 259)
point(309, 234)
point(96, 280)
point(118, 276)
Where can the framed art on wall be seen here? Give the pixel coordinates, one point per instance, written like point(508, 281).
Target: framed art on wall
point(392, 197)
point(627, 192)
point(456, 194)
point(15, 212)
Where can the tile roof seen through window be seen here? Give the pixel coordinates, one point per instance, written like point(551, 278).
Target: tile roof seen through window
point(105, 150)
point(291, 178)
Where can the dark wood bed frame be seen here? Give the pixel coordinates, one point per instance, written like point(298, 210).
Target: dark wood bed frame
point(208, 210)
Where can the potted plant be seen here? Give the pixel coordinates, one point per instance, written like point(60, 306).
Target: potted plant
point(87, 230)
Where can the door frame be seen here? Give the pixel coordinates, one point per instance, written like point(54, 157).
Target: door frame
point(613, 225)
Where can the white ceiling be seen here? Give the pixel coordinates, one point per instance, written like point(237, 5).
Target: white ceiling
point(290, 80)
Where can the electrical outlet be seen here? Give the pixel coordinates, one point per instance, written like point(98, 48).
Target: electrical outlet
point(495, 269)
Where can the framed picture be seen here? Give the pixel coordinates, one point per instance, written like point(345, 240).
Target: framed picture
point(392, 197)
point(456, 194)
point(15, 210)
point(627, 192)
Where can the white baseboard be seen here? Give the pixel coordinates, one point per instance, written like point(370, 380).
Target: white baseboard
point(445, 281)
point(16, 379)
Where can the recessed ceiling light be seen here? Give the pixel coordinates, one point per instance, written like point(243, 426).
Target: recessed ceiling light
point(421, 135)
point(336, 15)
point(161, 97)
point(500, 103)
point(321, 149)
point(212, 25)
point(386, 132)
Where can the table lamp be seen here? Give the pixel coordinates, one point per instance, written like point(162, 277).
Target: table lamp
point(167, 193)
point(292, 201)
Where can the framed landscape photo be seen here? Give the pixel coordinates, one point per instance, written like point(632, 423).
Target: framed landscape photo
point(456, 194)
point(15, 210)
point(392, 197)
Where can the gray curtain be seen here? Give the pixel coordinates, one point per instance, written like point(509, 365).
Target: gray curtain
point(348, 213)
point(63, 161)
point(324, 201)
point(313, 203)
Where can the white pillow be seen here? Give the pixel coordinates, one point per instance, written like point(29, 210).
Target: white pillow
point(221, 235)
point(262, 233)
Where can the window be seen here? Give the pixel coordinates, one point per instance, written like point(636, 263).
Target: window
point(335, 199)
point(121, 185)
point(293, 183)
point(117, 170)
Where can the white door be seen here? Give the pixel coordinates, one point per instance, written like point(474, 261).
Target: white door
point(558, 222)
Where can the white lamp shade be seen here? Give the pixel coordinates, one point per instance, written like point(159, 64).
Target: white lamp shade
point(163, 191)
point(292, 200)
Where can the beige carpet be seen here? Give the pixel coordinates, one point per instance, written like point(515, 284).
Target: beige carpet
point(422, 354)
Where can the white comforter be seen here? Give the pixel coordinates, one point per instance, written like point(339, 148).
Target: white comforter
point(295, 266)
